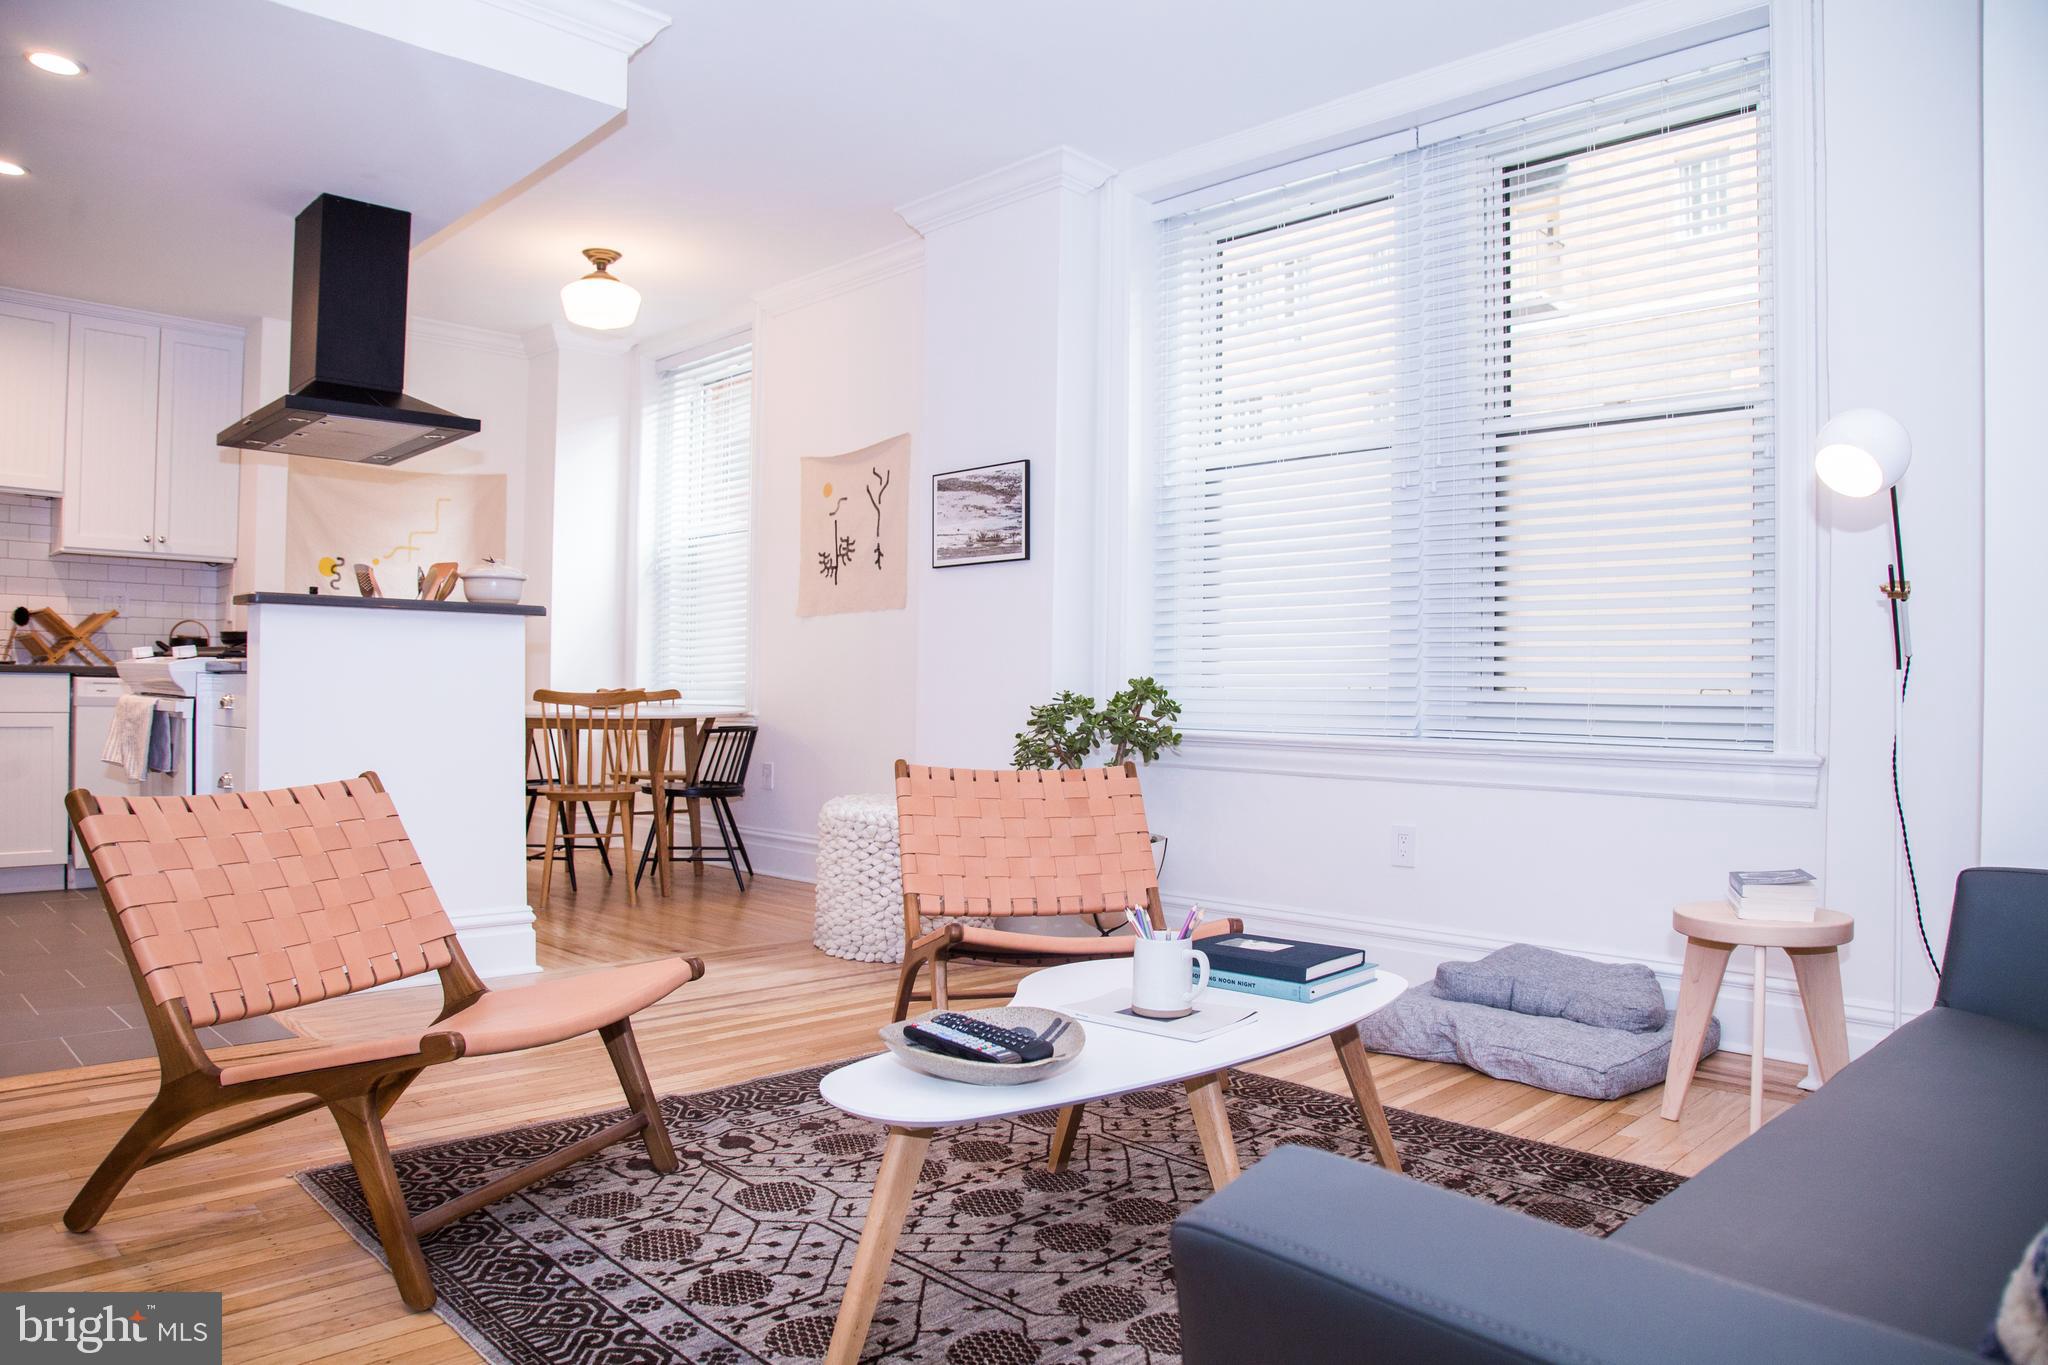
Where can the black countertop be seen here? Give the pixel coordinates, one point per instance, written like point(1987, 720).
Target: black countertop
point(303, 599)
point(73, 670)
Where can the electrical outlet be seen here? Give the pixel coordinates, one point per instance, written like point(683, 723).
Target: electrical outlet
point(1404, 846)
point(768, 777)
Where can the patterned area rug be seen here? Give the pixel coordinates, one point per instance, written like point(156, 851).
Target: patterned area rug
point(740, 1256)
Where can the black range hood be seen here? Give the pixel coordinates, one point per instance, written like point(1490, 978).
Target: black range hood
point(349, 266)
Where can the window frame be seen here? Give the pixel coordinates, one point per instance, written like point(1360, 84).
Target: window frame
point(1503, 85)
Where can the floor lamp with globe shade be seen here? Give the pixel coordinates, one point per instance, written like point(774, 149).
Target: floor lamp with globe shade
point(1860, 453)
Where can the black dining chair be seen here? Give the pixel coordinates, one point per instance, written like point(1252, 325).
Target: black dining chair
point(720, 775)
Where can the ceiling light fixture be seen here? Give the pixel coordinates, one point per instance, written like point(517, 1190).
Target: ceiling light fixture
point(601, 302)
point(56, 63)
point(9, 168)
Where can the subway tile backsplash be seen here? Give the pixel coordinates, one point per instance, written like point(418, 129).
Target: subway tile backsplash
point(150, 594)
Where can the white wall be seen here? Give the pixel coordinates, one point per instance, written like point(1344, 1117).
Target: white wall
point(835, 369)
point(2015, 473)
point(1581, 871)
point(581, 431)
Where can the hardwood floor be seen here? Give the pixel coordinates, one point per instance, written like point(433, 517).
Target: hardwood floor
point(297, 1288)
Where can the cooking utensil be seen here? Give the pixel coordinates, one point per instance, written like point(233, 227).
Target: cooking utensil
point(202, 639)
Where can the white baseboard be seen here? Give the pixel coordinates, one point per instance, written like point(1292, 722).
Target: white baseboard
point(49, 877)
point(1416, 950)
point(782, 853)
point(498, 940)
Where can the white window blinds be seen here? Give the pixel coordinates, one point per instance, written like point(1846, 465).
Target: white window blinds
point(1473, 441)
point(697, 570)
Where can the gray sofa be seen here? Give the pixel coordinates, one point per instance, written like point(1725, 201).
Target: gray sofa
point(1876, 1221)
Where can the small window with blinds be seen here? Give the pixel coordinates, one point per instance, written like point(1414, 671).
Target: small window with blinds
point(696, 572)
point(1473, 442)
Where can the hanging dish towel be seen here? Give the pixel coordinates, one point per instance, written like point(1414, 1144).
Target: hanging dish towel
point(166, 738)
point(128, 738)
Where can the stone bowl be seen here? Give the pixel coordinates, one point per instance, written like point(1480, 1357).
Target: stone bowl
point(1065, 1048)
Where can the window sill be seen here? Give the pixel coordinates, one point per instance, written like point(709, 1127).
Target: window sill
point(1773, 779)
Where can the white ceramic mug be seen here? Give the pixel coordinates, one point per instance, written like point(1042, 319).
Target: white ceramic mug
point(1164, 984)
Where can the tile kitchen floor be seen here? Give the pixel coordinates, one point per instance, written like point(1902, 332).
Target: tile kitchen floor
point(66, 998)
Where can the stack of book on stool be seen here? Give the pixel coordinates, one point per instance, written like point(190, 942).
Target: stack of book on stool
point(1786, 895)
point(1285, 969)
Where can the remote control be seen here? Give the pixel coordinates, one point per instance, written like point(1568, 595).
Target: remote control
point(940, 1038)
point(1025, 1044)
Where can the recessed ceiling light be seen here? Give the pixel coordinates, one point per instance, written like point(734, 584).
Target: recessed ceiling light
point(56, 63)
point(9, 168)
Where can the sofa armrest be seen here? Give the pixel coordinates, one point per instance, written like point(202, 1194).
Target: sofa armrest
point(1309, 1258)
point(1997, 955)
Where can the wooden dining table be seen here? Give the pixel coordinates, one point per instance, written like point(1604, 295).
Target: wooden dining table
point(663, 721)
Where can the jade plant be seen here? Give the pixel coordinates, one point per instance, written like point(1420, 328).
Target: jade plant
point(1070, 729)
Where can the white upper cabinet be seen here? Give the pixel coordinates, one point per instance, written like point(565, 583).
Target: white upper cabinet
point(110, 439)
point(198, 483)
point(35, 350)
point(130, 406)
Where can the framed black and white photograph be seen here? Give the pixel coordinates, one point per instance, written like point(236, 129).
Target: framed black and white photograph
point(981, 515)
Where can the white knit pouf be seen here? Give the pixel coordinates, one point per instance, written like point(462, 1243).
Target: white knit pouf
point(860, 882)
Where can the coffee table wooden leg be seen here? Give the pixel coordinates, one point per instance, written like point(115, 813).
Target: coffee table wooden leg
point(1819, 971)
point(1705, 964)
point(1358, 1072)
point(1063, 1131)
point(1212, 1126)
point(902, 1160)
point(1759, 996)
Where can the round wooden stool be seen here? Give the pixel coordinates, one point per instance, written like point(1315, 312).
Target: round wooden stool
point(1712, 931)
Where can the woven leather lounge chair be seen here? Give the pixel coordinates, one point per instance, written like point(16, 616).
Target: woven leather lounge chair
point(1004, 844)
point(228, 907)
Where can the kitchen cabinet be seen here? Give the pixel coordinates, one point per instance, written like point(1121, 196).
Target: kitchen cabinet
point(198, 483)
point(110, 438)
point(35, 768)
point(35, 353)
point(142, 475)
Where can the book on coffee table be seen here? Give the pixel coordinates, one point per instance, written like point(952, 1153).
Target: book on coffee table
point(1209, 1017)
point(1280, 959)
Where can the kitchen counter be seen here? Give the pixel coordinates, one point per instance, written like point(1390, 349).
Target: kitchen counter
point(74, 670)
point(306, 599)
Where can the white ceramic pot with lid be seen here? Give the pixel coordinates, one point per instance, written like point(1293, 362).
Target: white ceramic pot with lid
point(490, 581)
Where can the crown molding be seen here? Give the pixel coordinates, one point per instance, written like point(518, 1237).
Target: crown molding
point(1061, 168)
point(619, 25)
point(1544, 59)
point(460, 334)
point(87, 308)
point(555, 337)
point(871, 267)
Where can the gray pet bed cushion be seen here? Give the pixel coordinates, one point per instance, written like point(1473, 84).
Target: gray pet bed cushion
point(1532, 980)
point(1554, 1054)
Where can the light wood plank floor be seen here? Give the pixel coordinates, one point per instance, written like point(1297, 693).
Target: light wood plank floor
point(297, 1288)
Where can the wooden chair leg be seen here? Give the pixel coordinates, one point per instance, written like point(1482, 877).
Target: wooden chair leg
point(906, 986)
point(941, 1000)
point(151, 1129)
point(1063, 1131)
point(625, 837)
point(547, 862)
point(618, 1040)
point(363, 1132)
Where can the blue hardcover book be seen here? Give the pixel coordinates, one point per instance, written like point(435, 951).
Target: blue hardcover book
point(1280, 959)
point(1301, 992)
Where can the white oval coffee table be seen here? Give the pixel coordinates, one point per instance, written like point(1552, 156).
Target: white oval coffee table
point(1115, 1062)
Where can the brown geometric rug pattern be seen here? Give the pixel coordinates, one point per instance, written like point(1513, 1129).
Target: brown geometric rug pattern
point(740, 1256)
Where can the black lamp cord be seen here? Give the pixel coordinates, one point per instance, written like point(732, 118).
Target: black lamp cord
point(1905, 839)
